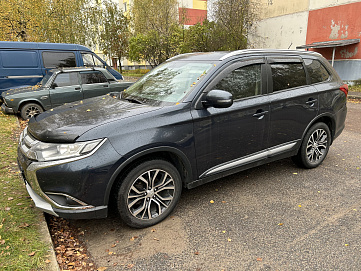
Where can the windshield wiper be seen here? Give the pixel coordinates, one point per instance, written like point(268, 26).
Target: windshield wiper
point(132, 100)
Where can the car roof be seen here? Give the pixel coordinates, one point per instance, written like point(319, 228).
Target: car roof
point(41, 46)
point(105, 72)
point(77, 69)
point(223, 55)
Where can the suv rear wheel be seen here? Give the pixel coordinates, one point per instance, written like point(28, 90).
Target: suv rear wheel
point(315, 146)
point(149, 193)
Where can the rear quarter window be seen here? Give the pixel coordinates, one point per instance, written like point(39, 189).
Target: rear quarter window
point(19, 59)
point(288, 75)
point(59, 59)
point(316, 71)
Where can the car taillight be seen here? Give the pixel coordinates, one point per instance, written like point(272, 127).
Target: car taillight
point(344, 89)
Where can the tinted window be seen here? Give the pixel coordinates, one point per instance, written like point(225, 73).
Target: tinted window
point(287, 75)
point(93, 77)
point(59, 59)
point(19, 59)
point(316, 71)
point(242, 82)
point(66, 79)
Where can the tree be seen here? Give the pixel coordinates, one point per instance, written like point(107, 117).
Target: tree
point(49, 21)
point(157, 31)
point(114, 31)
point(20, 20)
point(234, 19)
point(205, 37)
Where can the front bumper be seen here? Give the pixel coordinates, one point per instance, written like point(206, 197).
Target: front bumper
point(7, 110)
point(47, 205)
point(70, 188)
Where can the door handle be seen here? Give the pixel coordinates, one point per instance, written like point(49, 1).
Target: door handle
point(105, 86)
point(311, 101)
point(260, 114)
point(77, 88)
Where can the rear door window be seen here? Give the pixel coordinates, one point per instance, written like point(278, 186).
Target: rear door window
point(93, 77)
point(316, 71)
point(287, 75)
point(59, 59)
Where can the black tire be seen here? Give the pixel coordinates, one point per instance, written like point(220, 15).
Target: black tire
point(148, 193)
point(30, 110)
point(314, 147)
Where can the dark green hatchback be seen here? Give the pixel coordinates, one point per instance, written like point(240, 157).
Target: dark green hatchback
point(58, 87)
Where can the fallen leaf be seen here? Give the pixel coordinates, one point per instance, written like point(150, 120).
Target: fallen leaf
point(223, 201)
point(280, 224)
point(229, 239)
point(31, 254)
point(7, 208)
point(300, 205)
point(10, 198)
point(153, 230)
point(47, 261)
point(259, 259)
point(102, 268)
point(196, 253)
point(212, 201)
point(113, 245)
point(295, 173)
point(133, 238)
point(130, 265)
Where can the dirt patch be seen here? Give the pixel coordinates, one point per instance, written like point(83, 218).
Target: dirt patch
point(113, 244)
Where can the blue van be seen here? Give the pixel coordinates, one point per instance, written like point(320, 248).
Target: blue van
point(25, 63)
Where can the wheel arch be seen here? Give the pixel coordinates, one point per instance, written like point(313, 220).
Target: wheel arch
point(24, 102)
point(170, 154)
point(328, 119)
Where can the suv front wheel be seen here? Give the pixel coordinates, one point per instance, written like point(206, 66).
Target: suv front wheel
point(149, 193)
point(315, 146)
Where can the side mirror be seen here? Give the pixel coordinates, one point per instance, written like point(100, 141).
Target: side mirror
point(218, 99)
point(54, 85)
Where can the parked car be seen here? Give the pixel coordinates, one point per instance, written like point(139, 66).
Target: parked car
point(196, 118)
point(26, 63)
point(60, 86)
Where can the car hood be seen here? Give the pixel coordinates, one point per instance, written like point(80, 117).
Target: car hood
point(68, 122)
point(21, 90)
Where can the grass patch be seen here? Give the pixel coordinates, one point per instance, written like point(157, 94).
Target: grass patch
point(355, 88)
point(135, 73)
point(20, 245)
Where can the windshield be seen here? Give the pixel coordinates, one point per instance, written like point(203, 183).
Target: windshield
point(46, 78)
point(169, 82)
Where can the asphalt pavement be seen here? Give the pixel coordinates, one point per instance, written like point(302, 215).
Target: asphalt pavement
point(273, 217)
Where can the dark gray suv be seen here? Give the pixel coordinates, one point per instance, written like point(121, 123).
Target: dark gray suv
point(193, 119)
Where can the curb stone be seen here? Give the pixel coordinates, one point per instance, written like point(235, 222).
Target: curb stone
point(46, 238)
point(354, 95)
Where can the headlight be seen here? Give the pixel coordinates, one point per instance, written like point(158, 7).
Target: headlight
point(52, 151)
